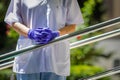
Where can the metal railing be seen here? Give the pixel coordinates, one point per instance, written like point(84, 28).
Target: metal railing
point(80, 43)
point(6, 65)
point(95, 38)
point(110, 72)
point(90, 29)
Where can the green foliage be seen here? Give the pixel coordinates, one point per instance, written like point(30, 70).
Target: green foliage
point(92, 11)
point(5, 40)
point(88, 11)
point(5, 74)
point(3, 9)
point(83, 71)
point(10, 42)
point(12, 38)
point(82, 57)
point(13, 34)
point(85, 54)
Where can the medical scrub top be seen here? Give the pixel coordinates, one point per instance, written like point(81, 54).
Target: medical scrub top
point(54, 14)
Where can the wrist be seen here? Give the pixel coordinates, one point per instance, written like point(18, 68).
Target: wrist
point(30, 34)
point(60, 33)
point(56, 33)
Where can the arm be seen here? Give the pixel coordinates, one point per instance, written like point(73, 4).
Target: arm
point(67, 29)
point(20, 28)
point(23, 30)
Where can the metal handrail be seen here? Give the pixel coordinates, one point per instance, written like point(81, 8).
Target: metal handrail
point(110, 72)
point(90, 29)
point(74, 45)
point(80, 43)
point(6, 65)
point(95, 38)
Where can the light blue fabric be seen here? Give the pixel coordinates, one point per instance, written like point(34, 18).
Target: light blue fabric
point(40, 76)
point(54, 14)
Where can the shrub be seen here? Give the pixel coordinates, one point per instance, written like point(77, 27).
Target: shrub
point(82, 71)
point(5, 74)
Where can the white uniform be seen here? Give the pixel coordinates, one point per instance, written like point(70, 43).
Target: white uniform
point(54, 14)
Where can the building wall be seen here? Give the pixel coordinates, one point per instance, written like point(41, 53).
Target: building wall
point(110, 46)
point(116, 8)
point(112, 11)
point(112, 7)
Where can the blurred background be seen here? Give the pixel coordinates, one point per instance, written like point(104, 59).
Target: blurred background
point(86, 60)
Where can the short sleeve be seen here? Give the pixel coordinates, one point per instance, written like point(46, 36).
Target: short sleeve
point(74, 15)
point(13, 13)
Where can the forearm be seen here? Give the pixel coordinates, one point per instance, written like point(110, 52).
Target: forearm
point(23, 30)
point(20, 28)
point(67, 29)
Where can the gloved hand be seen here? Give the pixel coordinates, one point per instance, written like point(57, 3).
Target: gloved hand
point(47, 35)
point(42, 35)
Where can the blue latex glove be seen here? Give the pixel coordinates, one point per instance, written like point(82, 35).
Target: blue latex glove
point(35, 34)
point(47, 36)
point(42, 35)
